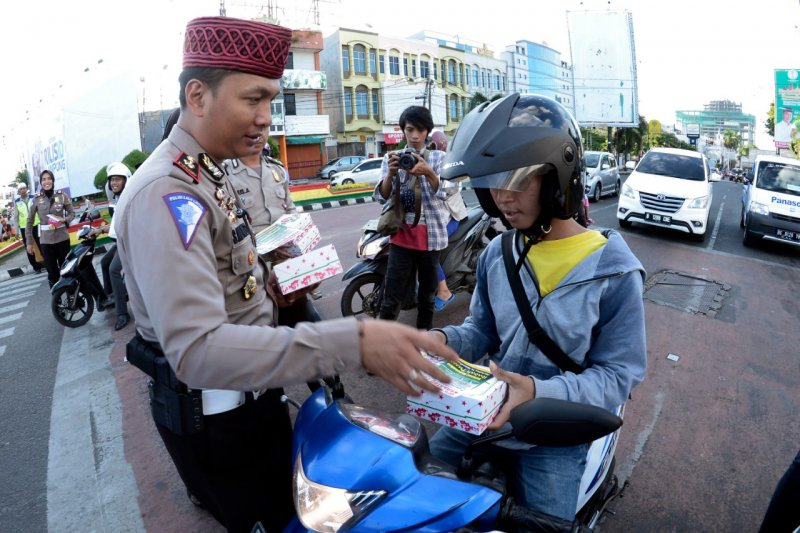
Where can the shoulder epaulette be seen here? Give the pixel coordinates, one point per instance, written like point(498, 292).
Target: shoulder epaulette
point(274, 161)
point(188, 164)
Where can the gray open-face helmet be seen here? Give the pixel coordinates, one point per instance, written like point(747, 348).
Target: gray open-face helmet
point(506, 143)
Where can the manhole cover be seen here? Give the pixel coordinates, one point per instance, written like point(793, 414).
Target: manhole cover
point(685, 292)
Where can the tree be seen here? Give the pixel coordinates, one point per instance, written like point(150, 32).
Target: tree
point(478, 98)
point(642, 144)
point(731, 139)
point(669, 140)
point(134, 158)
point(22, 177)
point(594, 139)
point(770, 122)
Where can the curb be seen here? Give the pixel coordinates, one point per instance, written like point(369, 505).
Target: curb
point(26, 270)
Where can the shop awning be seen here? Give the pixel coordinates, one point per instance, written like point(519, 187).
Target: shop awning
point(305, 139)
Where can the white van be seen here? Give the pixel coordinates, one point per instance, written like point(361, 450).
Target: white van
point(771, 201)
point(670, 188)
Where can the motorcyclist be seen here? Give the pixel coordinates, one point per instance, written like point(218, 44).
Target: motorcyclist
point(113, 282)
point(523, 155)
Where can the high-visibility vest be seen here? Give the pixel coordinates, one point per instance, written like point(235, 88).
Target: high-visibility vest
point(23, 209)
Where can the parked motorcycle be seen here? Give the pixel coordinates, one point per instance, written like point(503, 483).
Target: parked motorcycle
point(72, 300)
point(459, 260)
point(358, 469)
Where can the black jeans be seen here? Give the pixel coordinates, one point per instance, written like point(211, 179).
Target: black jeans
point(240, 465)
point(783, 514)
point(400, 281)
point(54, 256)
point(113, 281)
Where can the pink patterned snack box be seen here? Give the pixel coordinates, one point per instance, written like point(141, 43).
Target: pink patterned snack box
point(469, 402)
point(297, 231)
point(310, 268)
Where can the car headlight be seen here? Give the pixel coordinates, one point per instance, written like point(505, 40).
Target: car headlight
point(68, 266)
point(759, 208)
point(327, 509)
point(698, 203)
point(628, 191)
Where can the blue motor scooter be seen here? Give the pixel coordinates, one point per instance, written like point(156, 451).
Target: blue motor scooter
point(358, 469)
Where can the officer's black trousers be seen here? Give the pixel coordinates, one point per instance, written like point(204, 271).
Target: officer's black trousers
point(239, 466)
point(54, 256)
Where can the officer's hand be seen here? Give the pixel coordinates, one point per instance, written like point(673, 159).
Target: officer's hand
point(274, 290)
point(29, 248)
point(391, 351)
point(520, 390)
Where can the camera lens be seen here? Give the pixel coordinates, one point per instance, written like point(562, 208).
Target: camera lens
point(407, 161)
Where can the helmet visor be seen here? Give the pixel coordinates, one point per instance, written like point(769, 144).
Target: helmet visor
point(518, 179)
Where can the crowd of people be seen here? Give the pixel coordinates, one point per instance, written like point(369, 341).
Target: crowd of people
point(208, 308)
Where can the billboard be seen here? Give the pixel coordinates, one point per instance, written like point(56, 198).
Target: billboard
point(604, 68)
point(77, 140)
point(787, 106)
point(693, 130)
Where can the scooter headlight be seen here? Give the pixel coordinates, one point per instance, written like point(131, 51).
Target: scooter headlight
point(326, 509)
point(400, 428)
point(68, 265)
point(372, 248)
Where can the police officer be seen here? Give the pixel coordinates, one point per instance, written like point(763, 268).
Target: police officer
point(262, 184)
point(54, 211)
point(21, 208)
point(201, 297)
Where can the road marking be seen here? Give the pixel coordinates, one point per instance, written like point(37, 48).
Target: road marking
point(86, 466)
point(716, 226)
point(6, 332)
point(14, 307)
point(17, 291)
point(10, 318)
point(626, 468)
point(16, 298)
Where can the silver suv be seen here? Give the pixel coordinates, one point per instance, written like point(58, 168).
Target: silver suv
point(602, 175)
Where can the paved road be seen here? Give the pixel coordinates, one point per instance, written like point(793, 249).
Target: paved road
point(705, 438)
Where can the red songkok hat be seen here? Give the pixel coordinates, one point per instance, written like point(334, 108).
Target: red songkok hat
point(235, 44)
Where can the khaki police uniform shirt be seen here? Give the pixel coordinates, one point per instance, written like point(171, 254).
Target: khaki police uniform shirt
point(266, 197)
point(185, 277)
point(58, 205)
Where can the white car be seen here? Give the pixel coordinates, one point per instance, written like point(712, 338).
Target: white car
point(670, 188)
point(368, 171)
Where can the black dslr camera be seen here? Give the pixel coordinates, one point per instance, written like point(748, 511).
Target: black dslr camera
point(407, 159)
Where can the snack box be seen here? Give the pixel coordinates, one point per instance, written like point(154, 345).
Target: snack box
point(310, 268)
point(296, 230)
point(469, 402)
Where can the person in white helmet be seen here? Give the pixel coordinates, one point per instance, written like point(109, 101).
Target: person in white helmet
point(113, 282)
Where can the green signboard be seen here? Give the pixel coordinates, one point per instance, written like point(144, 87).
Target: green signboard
point(787, 106)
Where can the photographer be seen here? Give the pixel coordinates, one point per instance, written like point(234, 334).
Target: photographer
point(415, 247)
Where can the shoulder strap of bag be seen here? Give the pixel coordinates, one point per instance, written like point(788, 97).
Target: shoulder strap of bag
point(536, 334)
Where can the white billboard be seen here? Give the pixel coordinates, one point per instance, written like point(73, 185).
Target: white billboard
point(75, 142)
point(604, 68)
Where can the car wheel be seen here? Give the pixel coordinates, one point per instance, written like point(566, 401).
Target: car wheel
point(616, 189)
point(347, 181)
point(624, 223)
point(699, 237)
point(597, 193)
point(748, 237)
point(331, 173)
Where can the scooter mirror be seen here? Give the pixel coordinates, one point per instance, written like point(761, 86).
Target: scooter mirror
point(558, 423)
point(94, 215)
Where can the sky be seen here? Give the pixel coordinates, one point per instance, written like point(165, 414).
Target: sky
point(689, 52)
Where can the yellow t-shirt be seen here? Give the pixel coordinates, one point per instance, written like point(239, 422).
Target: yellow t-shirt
point(553, 260)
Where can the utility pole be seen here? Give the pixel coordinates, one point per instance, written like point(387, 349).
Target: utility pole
point(315, 11)
point(222, 8)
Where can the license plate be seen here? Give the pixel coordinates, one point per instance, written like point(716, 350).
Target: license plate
point(661, 219)
point(788, 235)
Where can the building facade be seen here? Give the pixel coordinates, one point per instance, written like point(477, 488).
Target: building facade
point(718, 116)
point(535, 68)
point(298, 118)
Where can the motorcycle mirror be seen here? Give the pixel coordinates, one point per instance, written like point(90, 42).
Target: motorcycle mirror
point(94, 215)
point(559, 423)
